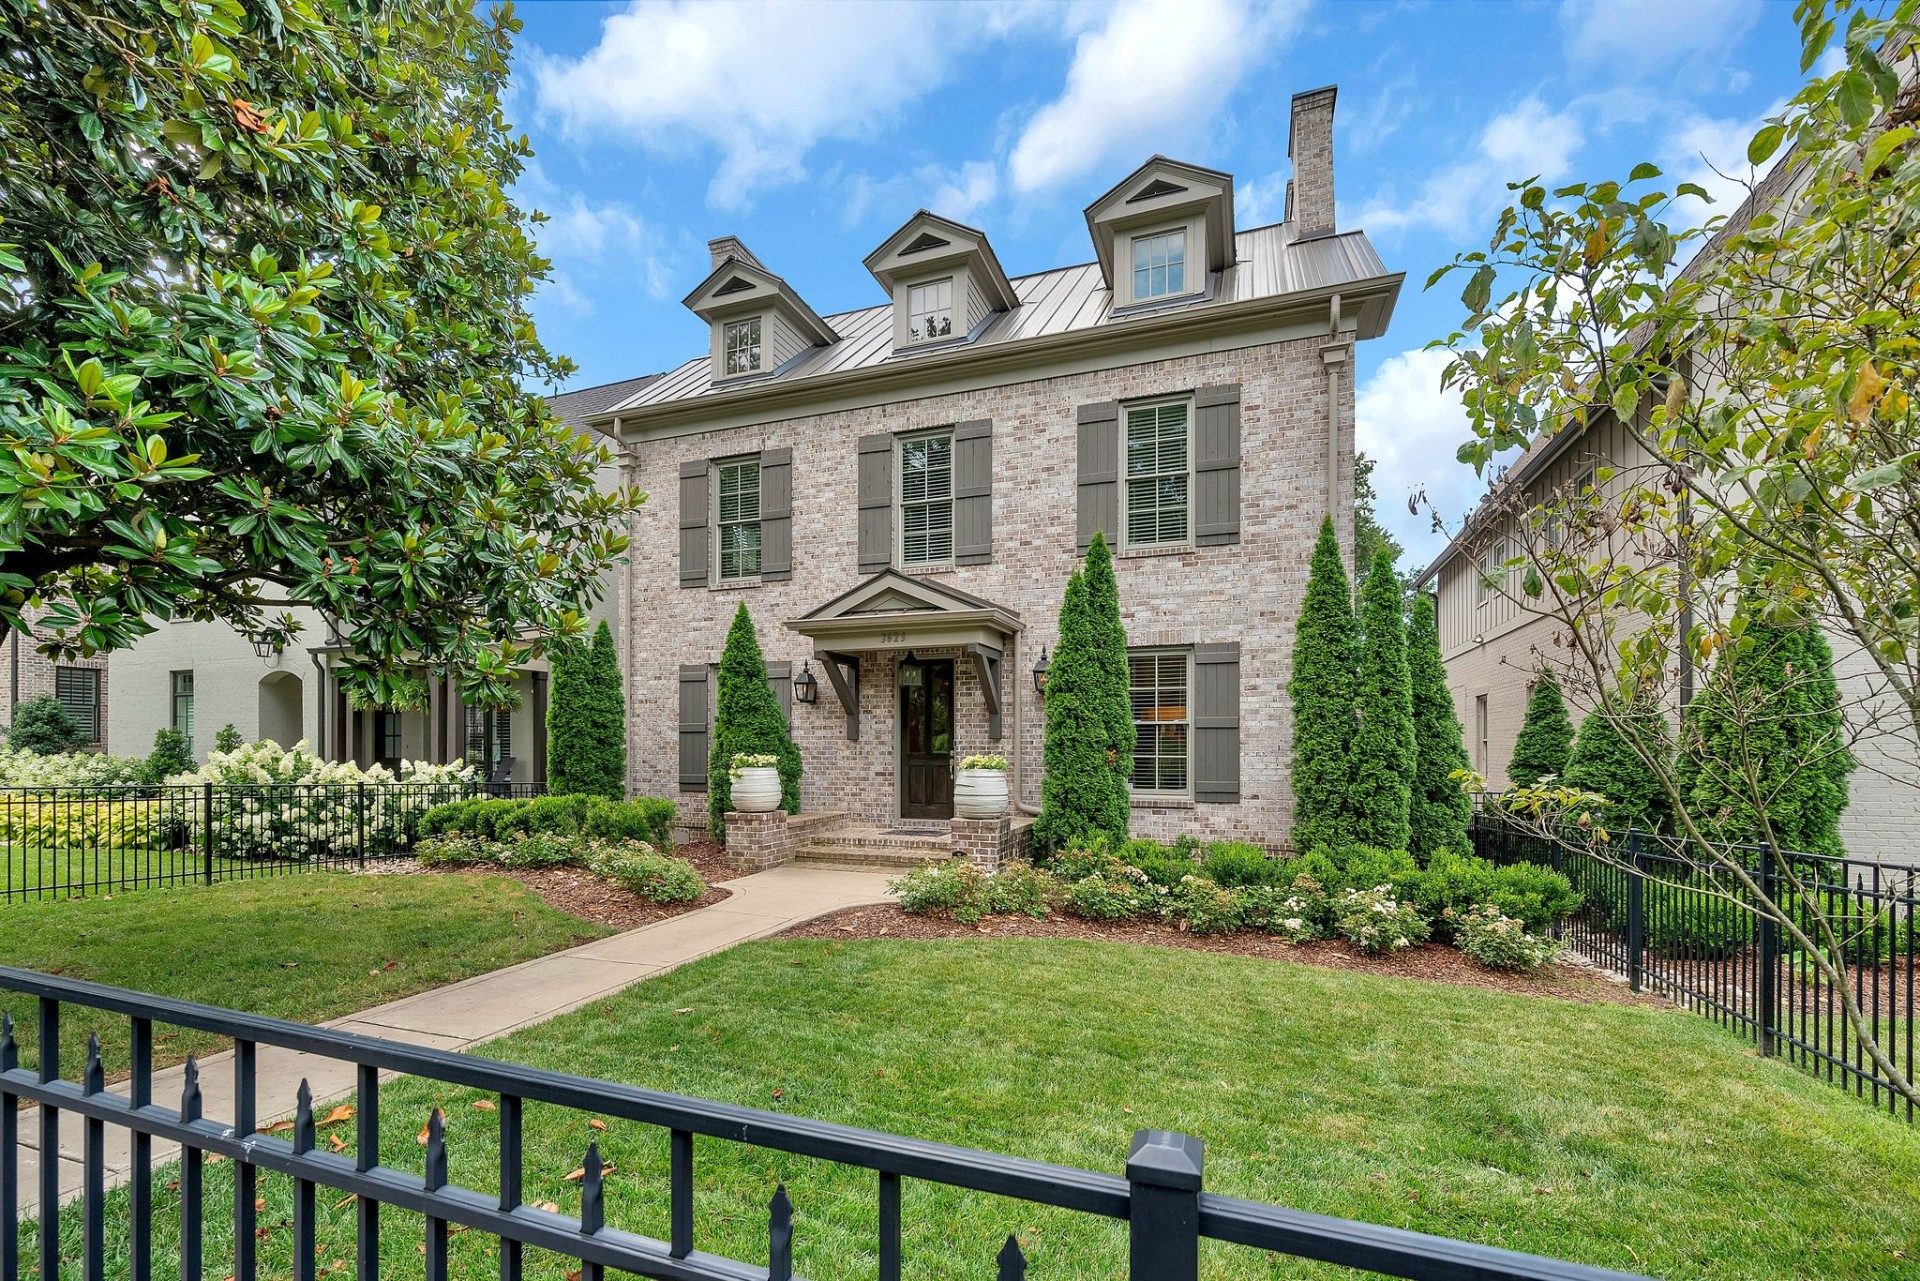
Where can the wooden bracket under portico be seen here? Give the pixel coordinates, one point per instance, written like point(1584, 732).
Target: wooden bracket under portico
point(893, 611)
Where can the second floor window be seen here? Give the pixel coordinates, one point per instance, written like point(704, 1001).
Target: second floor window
point(741, 343)
point(1157, 474)
point(738, 489)
point(78, 689)
point(926, 500)
point(930, 310)
point(1159, 265)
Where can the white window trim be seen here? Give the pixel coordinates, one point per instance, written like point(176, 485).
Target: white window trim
point(956, 283)
point(716, 578)
point(900, 443)
point(1195, 261)
point(1179, 651)
point(760, 363)
point(1126, 537)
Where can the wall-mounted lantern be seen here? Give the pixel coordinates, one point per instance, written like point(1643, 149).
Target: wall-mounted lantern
point(805, 688)
point(266, 648)
point(1040, 672)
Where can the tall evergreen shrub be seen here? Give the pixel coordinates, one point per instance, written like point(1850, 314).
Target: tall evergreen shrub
point(1603, 760)
point(1082, 799)
point(1380, 787)
point(1546, 736)
point(43, 724)
point(586, 720)
point(1109, 646)
point(747, 718)
point(1322, 690)
point(1439, 811)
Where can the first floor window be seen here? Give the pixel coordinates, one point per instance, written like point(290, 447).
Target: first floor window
point(386, 737)
point(1160, 265)
point(1157, 474)
point(926, 500)
point(930, 310)
point(738, 486)
point(1157, 681)
point(78, 689)
point(182, 719)
point(1480, 732)
point(741, 343)
point(489, 735)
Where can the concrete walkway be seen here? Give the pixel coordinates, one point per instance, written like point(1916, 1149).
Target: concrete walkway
point(476, 1010)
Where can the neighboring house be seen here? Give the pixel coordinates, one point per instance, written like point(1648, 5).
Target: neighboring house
point(81, 686)
point(1493, 647)
point(899, 493)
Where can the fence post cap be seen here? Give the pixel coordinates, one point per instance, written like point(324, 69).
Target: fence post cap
point(1166, 1159)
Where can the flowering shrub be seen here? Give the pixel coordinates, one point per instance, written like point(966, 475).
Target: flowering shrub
point(1199, 906)
point(1298, 913)
point(633, 865)
point(965, 893)
point(1119, 892)
point(743, 761)
point(1499, 941)
point(20, 768)
point(1375, 921)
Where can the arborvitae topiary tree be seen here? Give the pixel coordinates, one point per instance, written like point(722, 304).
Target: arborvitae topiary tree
point(1546, 736)
point(227, 739)
point(1440, 810)
point(1081, 797)
point(1109, 652)
point(586, 720)
point(1604, 761)
point(41, 724)
point(747, 719)
point(171, 755)
point(1380, 786)
point(1322, 688)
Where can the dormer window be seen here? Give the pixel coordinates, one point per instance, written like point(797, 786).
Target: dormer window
point(930, 310)
point(742, 346)
point(1160, 265)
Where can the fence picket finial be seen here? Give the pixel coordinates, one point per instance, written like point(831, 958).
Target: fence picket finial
point(190, 1090)
point(9, 1049)
point(593, 1203)
point(780, 1236)
point(93, 1079)
point(436, 1168)
point(303, 1118)
point(1013, 1264)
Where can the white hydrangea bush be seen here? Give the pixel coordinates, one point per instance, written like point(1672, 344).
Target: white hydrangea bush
point(1377, 921)
point(24, 769)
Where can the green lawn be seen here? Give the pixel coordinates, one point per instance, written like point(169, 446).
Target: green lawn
point(311, 946)
point(27, 870)
point(1632, 1137)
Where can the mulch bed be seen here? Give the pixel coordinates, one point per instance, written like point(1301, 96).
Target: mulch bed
point(591, 898)
point(1569, 980)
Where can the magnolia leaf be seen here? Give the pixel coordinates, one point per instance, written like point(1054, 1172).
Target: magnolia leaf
point(341, 1112)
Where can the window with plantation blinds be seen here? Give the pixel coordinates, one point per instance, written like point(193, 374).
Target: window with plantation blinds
point(737, 486)
point(1156, 474)
point(926, 500)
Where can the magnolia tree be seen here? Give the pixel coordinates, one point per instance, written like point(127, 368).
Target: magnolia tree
point(1773, 485)
point(264, 340)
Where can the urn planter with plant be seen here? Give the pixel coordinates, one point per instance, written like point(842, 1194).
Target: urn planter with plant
point(756, 782)
point(981, 789)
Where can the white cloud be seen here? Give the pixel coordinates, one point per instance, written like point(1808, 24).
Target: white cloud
point(761, 82)
point(1149, 78)
point(1633, 39)
point(1259, 201)
point(1413, 430)
point(588, 240)
point(957, 192)
point(1526, 140)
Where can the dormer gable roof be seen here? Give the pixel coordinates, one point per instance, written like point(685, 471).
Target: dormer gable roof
point(927, 243)
point(1160, 190)
point(740, 285)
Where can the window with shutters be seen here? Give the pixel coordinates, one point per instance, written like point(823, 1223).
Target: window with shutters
point(78, 689)
point(737, 518)
point(740, 346)
point(182, 712)
point(926, 499)
point(930, 310)
point(1158, 683)
point(1157, 480)
point(489, 735)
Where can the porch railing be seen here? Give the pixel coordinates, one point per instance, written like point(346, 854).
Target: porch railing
point(1161, 1198)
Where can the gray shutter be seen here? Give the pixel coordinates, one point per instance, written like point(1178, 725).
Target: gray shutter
point(973, 492)
point(1098, 506)
point(1216, 465)
point(876, 503)
point(776, 515)
point(693, 524)
point(780, 681)
point(1216, 722)
point(694, 739)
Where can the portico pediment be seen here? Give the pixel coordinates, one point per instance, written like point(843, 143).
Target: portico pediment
point(892, 610)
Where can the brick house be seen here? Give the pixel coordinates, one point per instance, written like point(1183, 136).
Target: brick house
point(899, 493)
point(80, 685)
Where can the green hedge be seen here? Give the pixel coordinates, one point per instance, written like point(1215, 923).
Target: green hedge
point(645, 818)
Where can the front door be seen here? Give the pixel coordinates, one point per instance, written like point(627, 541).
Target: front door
point(926, 738)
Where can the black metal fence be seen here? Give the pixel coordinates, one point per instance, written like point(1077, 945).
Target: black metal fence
point(71, 841)
point(1161, 1199)
point(1686, 926)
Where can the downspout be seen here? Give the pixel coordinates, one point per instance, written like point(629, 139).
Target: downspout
point(1019, 774)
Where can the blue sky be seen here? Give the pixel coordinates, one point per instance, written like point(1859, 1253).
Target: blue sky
point(812, 130)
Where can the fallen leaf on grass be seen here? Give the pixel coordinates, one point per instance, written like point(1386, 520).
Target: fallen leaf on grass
point(573, 1274)
point(551, 1207)
point(579, 1173)
point(259, 1203)
point(485, 1105)
point(596, 1123)
point(685, 1009)
point(342, 1112)
point(337, 1143)
point(276, 1127)
point(348, 1199)
point(289, 965)
point(421, 1138)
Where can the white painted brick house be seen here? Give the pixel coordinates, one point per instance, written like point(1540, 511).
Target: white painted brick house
point(898, 495)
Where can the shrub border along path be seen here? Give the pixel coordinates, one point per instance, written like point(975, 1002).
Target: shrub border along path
point(479, 1009)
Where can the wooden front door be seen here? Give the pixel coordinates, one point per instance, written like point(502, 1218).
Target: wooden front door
point(926, 738)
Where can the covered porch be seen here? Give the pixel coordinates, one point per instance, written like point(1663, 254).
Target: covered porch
point(510, 743)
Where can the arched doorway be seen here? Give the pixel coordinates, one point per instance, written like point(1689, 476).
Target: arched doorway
point(282, 708)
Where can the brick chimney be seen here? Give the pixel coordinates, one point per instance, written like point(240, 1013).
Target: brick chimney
point(724, 247)
point(1310, 147)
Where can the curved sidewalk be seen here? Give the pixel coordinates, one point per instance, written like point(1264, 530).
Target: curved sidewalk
point(465, 1014)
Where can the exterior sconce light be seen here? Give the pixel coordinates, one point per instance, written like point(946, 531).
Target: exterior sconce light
point(266, 648)
point(1040, 672)
point(805, 688)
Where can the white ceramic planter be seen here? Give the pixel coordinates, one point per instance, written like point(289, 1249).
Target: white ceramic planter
point(980, 793)
point(757, 790)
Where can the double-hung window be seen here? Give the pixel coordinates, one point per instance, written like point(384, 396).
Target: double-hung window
point(737, 495)
point(488, 723)
point(926, 500)
point(740, 343)
point(1160, 265)
point(1157, 683)
point(930, 310)
point(78, 689)
point(1157, 485)
point(182, 718)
